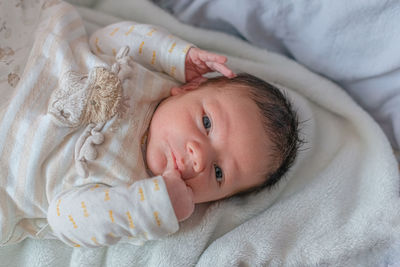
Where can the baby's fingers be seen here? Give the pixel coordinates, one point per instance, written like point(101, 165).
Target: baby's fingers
point(221, 68)
point(211, 57)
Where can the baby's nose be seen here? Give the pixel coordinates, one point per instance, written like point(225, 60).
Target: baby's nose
point(197, 155)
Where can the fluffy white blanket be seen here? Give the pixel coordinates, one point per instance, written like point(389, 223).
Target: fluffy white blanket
point(338, 206)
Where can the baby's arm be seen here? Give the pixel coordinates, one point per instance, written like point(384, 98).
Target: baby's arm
point(97, 215)
point(150, 46)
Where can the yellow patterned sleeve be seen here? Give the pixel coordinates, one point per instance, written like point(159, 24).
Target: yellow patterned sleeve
point(150, 46)
point(100, 215)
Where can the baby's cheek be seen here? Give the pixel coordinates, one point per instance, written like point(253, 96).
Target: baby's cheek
point(202, 191)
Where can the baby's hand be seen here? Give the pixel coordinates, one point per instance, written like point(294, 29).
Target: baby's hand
point(181, 196)
point(199, 62)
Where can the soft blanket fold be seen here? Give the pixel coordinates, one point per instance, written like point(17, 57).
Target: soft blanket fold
point(338, 206)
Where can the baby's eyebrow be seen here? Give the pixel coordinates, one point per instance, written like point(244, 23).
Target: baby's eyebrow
point(221, 119)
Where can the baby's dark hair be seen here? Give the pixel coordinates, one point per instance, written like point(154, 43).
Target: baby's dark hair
point(279, 121)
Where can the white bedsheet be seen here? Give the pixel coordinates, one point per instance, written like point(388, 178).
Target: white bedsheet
point(338, 206)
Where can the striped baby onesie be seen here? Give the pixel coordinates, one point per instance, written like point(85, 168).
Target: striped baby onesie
point(66, 159)
point(95, 215)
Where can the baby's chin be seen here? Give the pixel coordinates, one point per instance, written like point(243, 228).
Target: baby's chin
point(156, 163)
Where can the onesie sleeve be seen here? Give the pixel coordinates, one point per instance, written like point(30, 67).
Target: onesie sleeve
point(96, 215)
point(150, 46)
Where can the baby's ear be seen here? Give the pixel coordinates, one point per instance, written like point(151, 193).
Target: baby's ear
point(192, 85)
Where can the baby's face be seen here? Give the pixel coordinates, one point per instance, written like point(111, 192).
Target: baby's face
point(213, 137)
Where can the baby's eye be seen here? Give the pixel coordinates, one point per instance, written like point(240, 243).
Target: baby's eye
point(218, 173)
point(206, 122)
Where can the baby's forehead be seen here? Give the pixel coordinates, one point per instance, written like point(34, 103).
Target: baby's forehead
point(229, 88)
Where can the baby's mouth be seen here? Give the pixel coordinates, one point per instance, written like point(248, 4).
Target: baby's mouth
point(174, 160)
point(175, 163)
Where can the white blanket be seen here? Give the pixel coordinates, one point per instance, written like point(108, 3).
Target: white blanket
point(338, 206)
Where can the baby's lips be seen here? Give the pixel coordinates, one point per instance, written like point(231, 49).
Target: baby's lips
point(173, 164)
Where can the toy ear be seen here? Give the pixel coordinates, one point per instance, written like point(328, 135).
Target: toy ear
point(65, 105)
point(192, 85)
